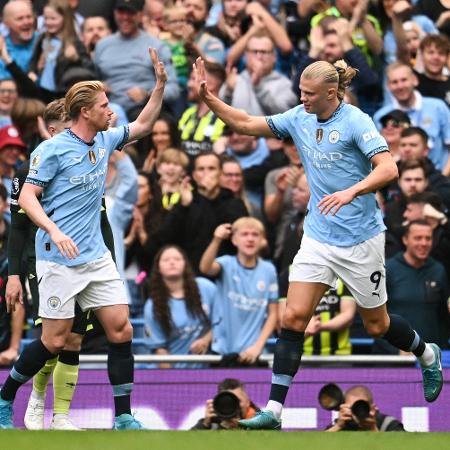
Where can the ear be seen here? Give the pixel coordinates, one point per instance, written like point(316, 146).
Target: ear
point(415, 80)
point(404, 239)
point(331, 93)
point(84, 112)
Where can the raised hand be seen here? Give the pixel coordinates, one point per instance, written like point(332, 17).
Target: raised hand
point(160, 70)
point(199, 71)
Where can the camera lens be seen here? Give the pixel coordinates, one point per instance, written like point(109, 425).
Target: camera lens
point(226, 405)
point(331, 397)
point(361, 409)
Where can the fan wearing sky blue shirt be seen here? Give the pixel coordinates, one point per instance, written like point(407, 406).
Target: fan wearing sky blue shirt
point(73, 264)
point(247, 290)
point(345, 161)
point(180, 309)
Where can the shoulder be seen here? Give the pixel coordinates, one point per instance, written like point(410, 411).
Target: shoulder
point(435, 103)
point(205, 284)
point(107, 42)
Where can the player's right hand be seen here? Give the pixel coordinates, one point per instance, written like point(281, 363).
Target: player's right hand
point(14, 293)
point(199, 71)
point(66, 246)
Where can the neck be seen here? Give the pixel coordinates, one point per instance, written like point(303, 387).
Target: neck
point(202, 109)
point(132, 35)
point(16, 40)
point(413, 261)
point(435, 76)
point(144, 208)
point(247, 261)
point(210, 195)
point(325, 115)
point(175, 287)
point(169, 187)
point(84, 131)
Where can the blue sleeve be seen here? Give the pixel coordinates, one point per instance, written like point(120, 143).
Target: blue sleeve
point(155, 337)
point(208, 294)
point(366, 136)
point(444, 119)
point(280, 124)
point(116, 138)
point(43, 165)
point(273, 285)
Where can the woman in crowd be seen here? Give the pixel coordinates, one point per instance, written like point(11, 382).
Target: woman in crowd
point(178, 313)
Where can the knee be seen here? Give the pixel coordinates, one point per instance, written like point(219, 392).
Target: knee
point(73, 342)
point(294, 319)
point(122, 332)
point(377, 328)
point(54, 344)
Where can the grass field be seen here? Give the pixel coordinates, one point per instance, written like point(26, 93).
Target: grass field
point(219, 440)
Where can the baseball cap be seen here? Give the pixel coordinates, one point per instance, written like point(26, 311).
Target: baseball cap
point(9, 135)
point(131, 5)
point(397, 115)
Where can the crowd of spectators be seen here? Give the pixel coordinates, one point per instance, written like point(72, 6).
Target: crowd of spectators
point(204, 278)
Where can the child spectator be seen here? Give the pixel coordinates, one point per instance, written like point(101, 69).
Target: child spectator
point(179, 309)
point(247, 288)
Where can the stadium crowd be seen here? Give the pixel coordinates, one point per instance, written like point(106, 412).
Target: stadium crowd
point(206, 221)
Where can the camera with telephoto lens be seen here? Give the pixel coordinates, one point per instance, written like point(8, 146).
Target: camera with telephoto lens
point(226, 406)
point(331, 398)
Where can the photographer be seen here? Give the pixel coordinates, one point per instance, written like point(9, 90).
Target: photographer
point(228, 406)
point(358, 412)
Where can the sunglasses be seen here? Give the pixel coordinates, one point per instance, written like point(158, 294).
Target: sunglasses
point(395, 124)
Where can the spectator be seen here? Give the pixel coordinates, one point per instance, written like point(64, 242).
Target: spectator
point(201, 130)
point(171, 166)
point(259, 89)
point(278, 195)
point(247, 288)
point(11, 325)
point(332, 44)
point(93, 30)
point(8, 95)
point(164, 135)
point(130, 78)
point(57, 50)
point(434, 81)
point(392, 125)
point(213, 421)
point(19, 19)
point(418, 286)
point(412, 180)
point(153, 17)
point(347, 421)
point(438, 11)
point(200, 41)
point(367, 35)
point(191, 223)
point(232, 178)
point(179, 311)
point(429, 113)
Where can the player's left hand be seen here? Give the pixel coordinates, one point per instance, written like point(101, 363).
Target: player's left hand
point(250, 354)
point(160, 70)
point(334, 202)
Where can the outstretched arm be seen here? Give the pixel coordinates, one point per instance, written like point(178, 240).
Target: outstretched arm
point(237, 120)
point(143, 124)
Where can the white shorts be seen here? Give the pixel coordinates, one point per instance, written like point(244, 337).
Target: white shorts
point(360, 267)
point(92, 285)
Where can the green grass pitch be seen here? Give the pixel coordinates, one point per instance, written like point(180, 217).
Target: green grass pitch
point(219, 440)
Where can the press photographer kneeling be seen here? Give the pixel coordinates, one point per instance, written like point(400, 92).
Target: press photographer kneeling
point(357, 410)
point(228, 406)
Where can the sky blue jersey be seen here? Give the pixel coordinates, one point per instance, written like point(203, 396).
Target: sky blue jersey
point(73, 173)
point(244, 296)
point(186, 329)
point(336, 155)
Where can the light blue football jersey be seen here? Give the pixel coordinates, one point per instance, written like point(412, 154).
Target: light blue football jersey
point(186, 329)
point(244, 296)
point(73, 173)
point(336, 155)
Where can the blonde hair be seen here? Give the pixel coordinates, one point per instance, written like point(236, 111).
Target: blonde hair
point(248, 222)
point(338, 73)
point(396, 65)
point(55, 111)
point(173, 10)
point(173, 155)
point(82, 94)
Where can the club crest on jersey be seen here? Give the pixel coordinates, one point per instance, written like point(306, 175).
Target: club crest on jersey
point(319, 135)
point(35, 161)
point(92, 157)
point(333, 137)
point(101, 152)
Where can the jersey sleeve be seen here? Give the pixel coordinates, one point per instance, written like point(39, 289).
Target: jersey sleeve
point(273, 284)
point(16, 186)
point(155, 337)
point(208, 294)
point(43, 166)
point(116, 138)
point(367, 138)
point(281, 124)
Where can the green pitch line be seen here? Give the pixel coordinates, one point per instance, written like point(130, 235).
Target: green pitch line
point(219, 440)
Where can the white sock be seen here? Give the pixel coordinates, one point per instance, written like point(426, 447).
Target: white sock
point(275, 408)
point(37, 395)
point(428, 357)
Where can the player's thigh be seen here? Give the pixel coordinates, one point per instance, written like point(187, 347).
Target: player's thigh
point(362, 269)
